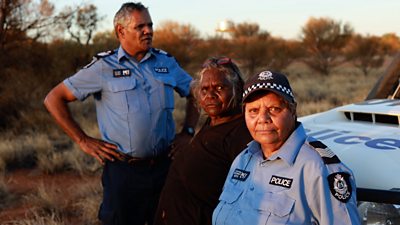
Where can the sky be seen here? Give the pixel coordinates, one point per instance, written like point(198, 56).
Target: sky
point(281, 18)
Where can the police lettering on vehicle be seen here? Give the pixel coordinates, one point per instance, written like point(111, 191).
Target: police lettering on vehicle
point(241, 175)
point(122, 73)
point(281, 181)
point(347, 138)
point(161, 69)
point(340, 186)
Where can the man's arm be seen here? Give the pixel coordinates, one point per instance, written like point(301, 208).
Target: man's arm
point(56, 103)
point(183, 138)
point(191, 112)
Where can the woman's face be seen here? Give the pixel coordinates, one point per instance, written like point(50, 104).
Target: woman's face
point(270, 121)
point(216, 93)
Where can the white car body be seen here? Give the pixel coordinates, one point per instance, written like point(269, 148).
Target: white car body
point(366, 137)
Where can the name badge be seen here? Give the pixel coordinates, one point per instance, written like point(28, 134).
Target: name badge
point(161, 69)
point(122, 73)
point(281, 181)
point(241, 175)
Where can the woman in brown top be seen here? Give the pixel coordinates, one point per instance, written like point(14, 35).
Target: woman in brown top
point(198, 172)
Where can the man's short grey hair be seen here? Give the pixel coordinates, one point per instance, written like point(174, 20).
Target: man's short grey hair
point(124, 14)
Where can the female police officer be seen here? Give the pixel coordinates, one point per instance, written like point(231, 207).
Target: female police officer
point(283, 176)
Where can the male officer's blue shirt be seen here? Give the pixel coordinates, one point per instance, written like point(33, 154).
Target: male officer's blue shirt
point(134, 100)
point(293, 186)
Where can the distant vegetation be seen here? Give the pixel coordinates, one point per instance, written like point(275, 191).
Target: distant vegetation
point(329, 65)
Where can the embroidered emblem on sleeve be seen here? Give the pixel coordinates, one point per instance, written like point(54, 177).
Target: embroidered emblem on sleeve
point(340, 187)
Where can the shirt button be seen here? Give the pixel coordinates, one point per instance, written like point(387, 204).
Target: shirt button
point(251, 188)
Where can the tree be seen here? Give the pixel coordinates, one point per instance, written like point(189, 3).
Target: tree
point(180, 40)
point(106, 40)
point(365, 53)
point(245, 30)
point(81, 23)
point(391, 43)
point(284, 52)
point(22, 20)
point(323, 40)
point(251, 45)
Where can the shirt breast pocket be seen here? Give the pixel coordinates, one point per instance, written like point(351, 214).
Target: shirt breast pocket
point(276, 207)
point(231, 196)
point(168, 94)
point(224, 213)
point(119, 95)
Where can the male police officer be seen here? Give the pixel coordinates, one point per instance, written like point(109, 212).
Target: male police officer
point(133, 89)
point(283, 176)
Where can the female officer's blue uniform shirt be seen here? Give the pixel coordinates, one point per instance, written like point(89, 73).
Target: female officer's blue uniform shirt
point(134, 100)
point(303, 183)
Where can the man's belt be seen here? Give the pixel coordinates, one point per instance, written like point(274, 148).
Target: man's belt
point(148, 161)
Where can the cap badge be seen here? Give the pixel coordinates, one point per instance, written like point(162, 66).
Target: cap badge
point(265, 75)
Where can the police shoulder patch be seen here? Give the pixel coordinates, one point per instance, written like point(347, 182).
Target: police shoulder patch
point(340, 186)
point(327, 155)
point(99, 56)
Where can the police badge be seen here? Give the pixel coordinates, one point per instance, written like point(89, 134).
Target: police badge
point(340, 186)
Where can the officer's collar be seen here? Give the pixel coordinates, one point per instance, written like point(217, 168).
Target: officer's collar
point(123, 54)
point(290, 149)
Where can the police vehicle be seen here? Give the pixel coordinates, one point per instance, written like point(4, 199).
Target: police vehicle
point(366, 137)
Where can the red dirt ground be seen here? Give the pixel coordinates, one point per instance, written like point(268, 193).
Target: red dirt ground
point(23, 182)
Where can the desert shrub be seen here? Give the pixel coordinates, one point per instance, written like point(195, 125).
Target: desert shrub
point(47, 200)
point(17, 152)
point(5, 194)
point(52, 162)
point(80, 162)
point(89, 198)
point(316, 93)
point(38, 219)
point(71, 159)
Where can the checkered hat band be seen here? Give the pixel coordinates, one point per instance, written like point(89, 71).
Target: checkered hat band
point(279, 88)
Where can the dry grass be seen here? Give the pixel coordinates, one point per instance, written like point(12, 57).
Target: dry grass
point(89, 198)
point(5, 194)
point(19, 151)
point(37, 150)
point(316, 93)
point(48, 200)
point(38, 219)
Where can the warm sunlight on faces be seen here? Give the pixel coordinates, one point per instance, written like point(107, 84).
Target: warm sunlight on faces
point(137, 35)
point(270, 121)
point(215, 93)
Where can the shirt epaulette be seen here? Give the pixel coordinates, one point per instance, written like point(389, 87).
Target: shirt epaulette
point(104, 54)
point(99, 56)
point(327, 155)
point(161, 52)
